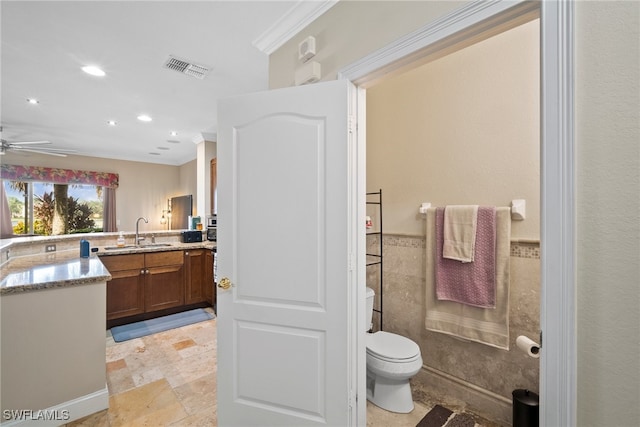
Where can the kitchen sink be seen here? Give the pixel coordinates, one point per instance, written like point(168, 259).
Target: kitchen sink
point(110, 248)
point(150, 245)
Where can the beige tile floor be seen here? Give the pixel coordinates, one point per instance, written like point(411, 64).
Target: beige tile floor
point(169, 379)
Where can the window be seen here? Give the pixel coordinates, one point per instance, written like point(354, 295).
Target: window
point(33, 207)
point(42, 200)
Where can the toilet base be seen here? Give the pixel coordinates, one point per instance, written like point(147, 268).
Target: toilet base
point(389, 394)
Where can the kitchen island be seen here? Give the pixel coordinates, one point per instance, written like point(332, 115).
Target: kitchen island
point(52, 339)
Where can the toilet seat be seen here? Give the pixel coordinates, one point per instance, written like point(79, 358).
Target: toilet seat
point(392, 347)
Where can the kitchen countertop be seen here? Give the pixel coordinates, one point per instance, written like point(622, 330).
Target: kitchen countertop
point(66, 268)
point(172, 246)
point(55, 270)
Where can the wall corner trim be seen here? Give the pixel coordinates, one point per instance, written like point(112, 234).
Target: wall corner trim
point(558, 364)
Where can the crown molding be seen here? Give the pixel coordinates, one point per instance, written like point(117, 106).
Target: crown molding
point(205, 136)
point(291, 23)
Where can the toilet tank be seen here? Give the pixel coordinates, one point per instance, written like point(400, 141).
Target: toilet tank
point(370, 296)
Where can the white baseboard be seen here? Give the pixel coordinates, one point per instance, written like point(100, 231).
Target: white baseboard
point(65, 412)
point(477, 399)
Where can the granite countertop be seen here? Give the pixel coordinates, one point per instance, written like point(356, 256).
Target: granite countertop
point(153, 247)
point(55, 270)
point(65, 268)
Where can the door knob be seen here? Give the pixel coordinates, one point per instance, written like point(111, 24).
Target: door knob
point(224, 283)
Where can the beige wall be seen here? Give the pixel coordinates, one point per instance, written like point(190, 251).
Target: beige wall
point(608, 217)
point(608, 161)
point(463, 129)
point(351, 30)
point(189, 184)
point(144, 187)
point(48, 338)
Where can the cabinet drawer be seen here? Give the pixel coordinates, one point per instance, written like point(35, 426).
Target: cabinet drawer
point(123, 262)
point(160, 259)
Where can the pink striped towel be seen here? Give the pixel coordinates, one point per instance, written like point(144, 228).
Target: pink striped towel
point(471, 283)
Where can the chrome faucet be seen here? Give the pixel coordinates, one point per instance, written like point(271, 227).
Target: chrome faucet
point(138, 238)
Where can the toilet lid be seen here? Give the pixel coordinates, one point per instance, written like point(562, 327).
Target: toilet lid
point(391, 346)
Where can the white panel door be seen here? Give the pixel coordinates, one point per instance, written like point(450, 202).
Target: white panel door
point(285, 210)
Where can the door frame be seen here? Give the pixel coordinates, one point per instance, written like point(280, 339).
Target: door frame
point(469, 24)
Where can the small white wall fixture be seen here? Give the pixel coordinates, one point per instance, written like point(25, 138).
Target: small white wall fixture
point(478, 20)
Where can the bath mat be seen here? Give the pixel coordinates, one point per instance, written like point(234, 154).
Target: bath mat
point(436, 417)
point(159, 324)
point(461, 420)
point(440, 416)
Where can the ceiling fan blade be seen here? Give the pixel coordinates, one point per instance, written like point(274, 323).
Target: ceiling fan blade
point(51, 152)
point(29, 142)
point(61, 150)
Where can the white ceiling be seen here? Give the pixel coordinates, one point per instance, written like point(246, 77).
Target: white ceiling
point(45, 44)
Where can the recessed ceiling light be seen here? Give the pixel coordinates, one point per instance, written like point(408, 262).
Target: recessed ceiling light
point(93, 70)
point(154, 154)
point(162, 148)
point(32, 101)
point(144, 118)
point(112, 122)
point(174, 133)
point(173, 141)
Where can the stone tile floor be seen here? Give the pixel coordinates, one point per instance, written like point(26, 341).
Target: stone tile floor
point(165, 379)
point(169, 379)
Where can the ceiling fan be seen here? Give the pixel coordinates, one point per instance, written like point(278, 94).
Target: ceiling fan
point(32, 147)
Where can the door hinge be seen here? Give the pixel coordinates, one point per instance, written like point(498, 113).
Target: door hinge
point(353, 399)
point(352, 124)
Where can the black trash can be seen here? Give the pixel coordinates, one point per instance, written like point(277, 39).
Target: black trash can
point(526, 405)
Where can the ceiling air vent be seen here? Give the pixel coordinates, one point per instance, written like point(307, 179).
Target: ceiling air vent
point(186, 67)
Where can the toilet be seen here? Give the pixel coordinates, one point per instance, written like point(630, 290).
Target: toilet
point(391, 362)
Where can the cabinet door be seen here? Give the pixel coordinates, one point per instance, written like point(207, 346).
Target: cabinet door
point(125, 291)
point(208, 287)
point(125, 294)
point(164, 280)
point(164, 287)
point(194, 275)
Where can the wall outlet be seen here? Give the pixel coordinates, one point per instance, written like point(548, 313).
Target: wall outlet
point(50, 248)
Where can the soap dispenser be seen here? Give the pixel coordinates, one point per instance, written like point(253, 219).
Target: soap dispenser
point(120, 241)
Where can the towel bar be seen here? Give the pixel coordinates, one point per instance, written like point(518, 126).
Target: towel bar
point(518, 209)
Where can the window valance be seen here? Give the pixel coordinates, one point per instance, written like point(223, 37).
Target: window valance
point(58, 176)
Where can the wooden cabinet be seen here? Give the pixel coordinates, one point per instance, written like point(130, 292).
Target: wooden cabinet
point(161, 282)
point(143, 283)
point(213, 175)
point(195, 275)
point(199, 276)
point(125, 291)
point(209, 286)
point(164, 280)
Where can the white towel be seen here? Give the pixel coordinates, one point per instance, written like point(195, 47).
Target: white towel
point(460, 222)
point(486, 326)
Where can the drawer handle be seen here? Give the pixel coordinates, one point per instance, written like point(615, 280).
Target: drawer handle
point(224, 283)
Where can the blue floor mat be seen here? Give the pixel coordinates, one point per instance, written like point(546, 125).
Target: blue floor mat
point(159, 324)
